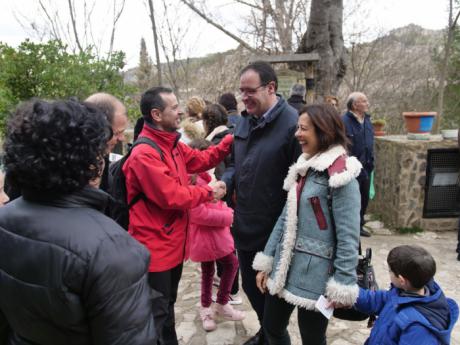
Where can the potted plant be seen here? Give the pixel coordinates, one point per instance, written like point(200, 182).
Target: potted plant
point(419, 124)
point(378, 125)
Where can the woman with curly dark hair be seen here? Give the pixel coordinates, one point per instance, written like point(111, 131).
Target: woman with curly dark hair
point(68, 274)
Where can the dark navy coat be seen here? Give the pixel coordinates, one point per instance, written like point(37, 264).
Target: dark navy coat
point(263, 151)
point(361, 138)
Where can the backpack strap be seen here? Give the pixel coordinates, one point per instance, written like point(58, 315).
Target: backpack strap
point(152, 144)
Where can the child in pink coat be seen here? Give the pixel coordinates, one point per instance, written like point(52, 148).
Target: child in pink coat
point(210, 240)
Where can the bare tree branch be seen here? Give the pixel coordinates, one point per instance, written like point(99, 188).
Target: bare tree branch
point(74, 24)
point(116, 17)
point(218, 26)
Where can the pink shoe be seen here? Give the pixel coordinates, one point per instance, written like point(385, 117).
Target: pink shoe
point(228, 312)
point(207, 318)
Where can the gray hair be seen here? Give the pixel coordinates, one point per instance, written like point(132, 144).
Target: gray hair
point(352, 98)
point(297, 90)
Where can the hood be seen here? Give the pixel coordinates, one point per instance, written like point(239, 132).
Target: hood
point(166, 140)
point(439, 313)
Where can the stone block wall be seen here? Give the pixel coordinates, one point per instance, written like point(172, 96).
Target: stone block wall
point(399, 182)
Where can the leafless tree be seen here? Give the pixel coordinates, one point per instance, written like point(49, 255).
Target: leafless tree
point(71, 24)
point(155, 42)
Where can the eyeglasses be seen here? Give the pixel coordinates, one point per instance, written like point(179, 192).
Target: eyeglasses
point(251, 91)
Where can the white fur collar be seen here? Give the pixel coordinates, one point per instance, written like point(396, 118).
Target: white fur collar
point(321, 162)
point(216, 131)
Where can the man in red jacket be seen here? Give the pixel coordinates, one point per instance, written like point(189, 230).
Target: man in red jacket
point(160, 219)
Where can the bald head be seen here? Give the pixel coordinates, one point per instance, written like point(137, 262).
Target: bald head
point(115, 112)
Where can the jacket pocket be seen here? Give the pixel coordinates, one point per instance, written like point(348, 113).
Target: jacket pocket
point(319, 215)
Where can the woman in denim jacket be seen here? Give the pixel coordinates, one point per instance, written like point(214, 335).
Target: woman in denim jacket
point(303, 258)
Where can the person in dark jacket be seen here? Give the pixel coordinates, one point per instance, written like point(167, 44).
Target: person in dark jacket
point(296, 97)
point(115, 112)
point(361, 135)
point(68, 273)
point(414, 310)
point(264, 148)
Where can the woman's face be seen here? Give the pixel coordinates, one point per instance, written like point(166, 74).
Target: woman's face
point(3, 197)
point(306, 135)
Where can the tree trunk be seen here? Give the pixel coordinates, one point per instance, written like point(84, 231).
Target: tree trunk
point(155, 41)
point(324, 35)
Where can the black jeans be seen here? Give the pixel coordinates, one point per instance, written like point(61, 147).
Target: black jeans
point(364, 181)
point(312, 324)
point(165, 285)
point(248, 282)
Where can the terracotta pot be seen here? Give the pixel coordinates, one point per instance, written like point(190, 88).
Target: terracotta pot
point(419, 122)
point(378, 129)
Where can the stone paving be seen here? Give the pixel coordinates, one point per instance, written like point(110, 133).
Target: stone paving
point(441, 246)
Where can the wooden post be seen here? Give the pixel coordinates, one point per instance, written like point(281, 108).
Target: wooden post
point(310, 83)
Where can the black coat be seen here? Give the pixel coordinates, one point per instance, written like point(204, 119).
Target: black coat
point(70, 275)
point(297, 102)
point(262, 154)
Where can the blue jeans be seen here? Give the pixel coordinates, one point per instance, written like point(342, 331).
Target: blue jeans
point(312, 324)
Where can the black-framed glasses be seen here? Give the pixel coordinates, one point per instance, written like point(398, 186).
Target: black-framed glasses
point(251, 91)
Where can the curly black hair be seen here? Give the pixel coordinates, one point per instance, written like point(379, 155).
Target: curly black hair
point(55, 147)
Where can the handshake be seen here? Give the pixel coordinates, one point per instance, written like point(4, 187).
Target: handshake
point(219, 189)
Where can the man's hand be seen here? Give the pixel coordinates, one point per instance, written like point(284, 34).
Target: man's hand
point(219, 189)
point(261, 281)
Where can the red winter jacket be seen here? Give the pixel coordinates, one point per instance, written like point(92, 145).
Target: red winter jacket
point(160, 220)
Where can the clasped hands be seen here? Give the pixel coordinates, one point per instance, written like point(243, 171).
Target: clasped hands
point(219, 189)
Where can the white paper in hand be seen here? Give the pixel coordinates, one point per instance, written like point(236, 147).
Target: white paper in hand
point(322, 304)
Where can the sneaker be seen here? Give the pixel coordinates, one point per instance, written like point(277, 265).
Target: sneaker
point(228, 312)
point(235, 299)
point(207, 319)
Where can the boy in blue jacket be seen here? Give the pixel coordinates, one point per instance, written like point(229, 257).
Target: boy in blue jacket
point(414, 310)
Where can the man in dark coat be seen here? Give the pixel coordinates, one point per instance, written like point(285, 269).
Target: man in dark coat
point(68, 273)
point(296, 97)
point(264, 149)
point(361, 135)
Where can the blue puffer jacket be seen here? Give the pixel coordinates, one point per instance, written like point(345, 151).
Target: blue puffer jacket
point(262, 153)
point(299, 255)
point(361, 137)
point(408, 320)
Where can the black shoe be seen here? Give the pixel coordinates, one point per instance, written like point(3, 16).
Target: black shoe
point(365, 233)
point(257, 339)
point(458, 257)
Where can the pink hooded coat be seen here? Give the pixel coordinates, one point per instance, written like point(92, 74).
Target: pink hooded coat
point(209, 232)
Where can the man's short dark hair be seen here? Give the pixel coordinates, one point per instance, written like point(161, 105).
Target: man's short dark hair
point(264, 70)
point(328, 125)
point(152, 99)
point(413, 263)
point(228, 101)
point(55, 147)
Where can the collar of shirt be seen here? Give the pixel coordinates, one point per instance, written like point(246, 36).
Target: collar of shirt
point(261, 119)
point(360, 119)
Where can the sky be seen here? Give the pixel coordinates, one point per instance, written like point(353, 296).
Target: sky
point(200, 38)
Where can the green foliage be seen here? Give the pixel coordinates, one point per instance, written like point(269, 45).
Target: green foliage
point(451, 116)
point(409, 230)
point(47, 70)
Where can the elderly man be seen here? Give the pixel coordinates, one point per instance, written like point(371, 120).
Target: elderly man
point(359, 130)
point(263, 151)
point(115, 113)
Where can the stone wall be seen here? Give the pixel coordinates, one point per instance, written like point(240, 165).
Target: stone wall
point(400, 182)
